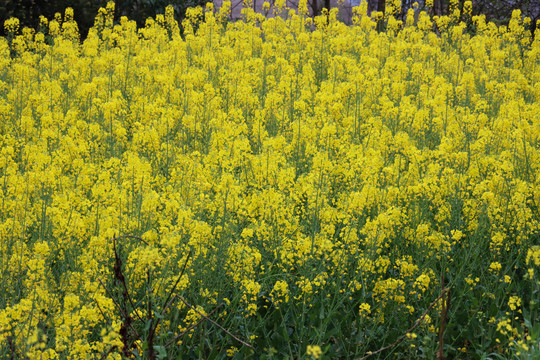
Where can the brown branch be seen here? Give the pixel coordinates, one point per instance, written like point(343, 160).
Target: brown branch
point(121, 313)
point(118, 306)
point(128, 320)
point(215, 323)
point(12, 348)
point(119, 276)
point(110, 295)
point(442, 327)
point(99, 307)
point(416, 324)
point(235, 6)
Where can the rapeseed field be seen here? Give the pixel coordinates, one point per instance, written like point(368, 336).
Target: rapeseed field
point(276, 187)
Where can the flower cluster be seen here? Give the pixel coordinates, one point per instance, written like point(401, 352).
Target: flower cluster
point(304, 169)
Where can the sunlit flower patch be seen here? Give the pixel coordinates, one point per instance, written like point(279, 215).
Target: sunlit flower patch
point(275, 187)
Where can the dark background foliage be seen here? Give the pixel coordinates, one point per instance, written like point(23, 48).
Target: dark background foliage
point(28, 11)
point(498, 11)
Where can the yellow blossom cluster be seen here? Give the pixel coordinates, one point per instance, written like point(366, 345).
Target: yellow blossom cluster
point(341, 170)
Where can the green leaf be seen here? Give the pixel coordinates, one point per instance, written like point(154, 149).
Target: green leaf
point(161, 351)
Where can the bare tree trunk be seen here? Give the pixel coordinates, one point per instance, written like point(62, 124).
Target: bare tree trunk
point(437, 7)
point(327, 5)
point(314, 8)
point(381, 5)
point(535, 15)
point(372, 5)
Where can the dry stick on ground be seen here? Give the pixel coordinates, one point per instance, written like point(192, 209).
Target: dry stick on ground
point(215, 323)
point(416, 324)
